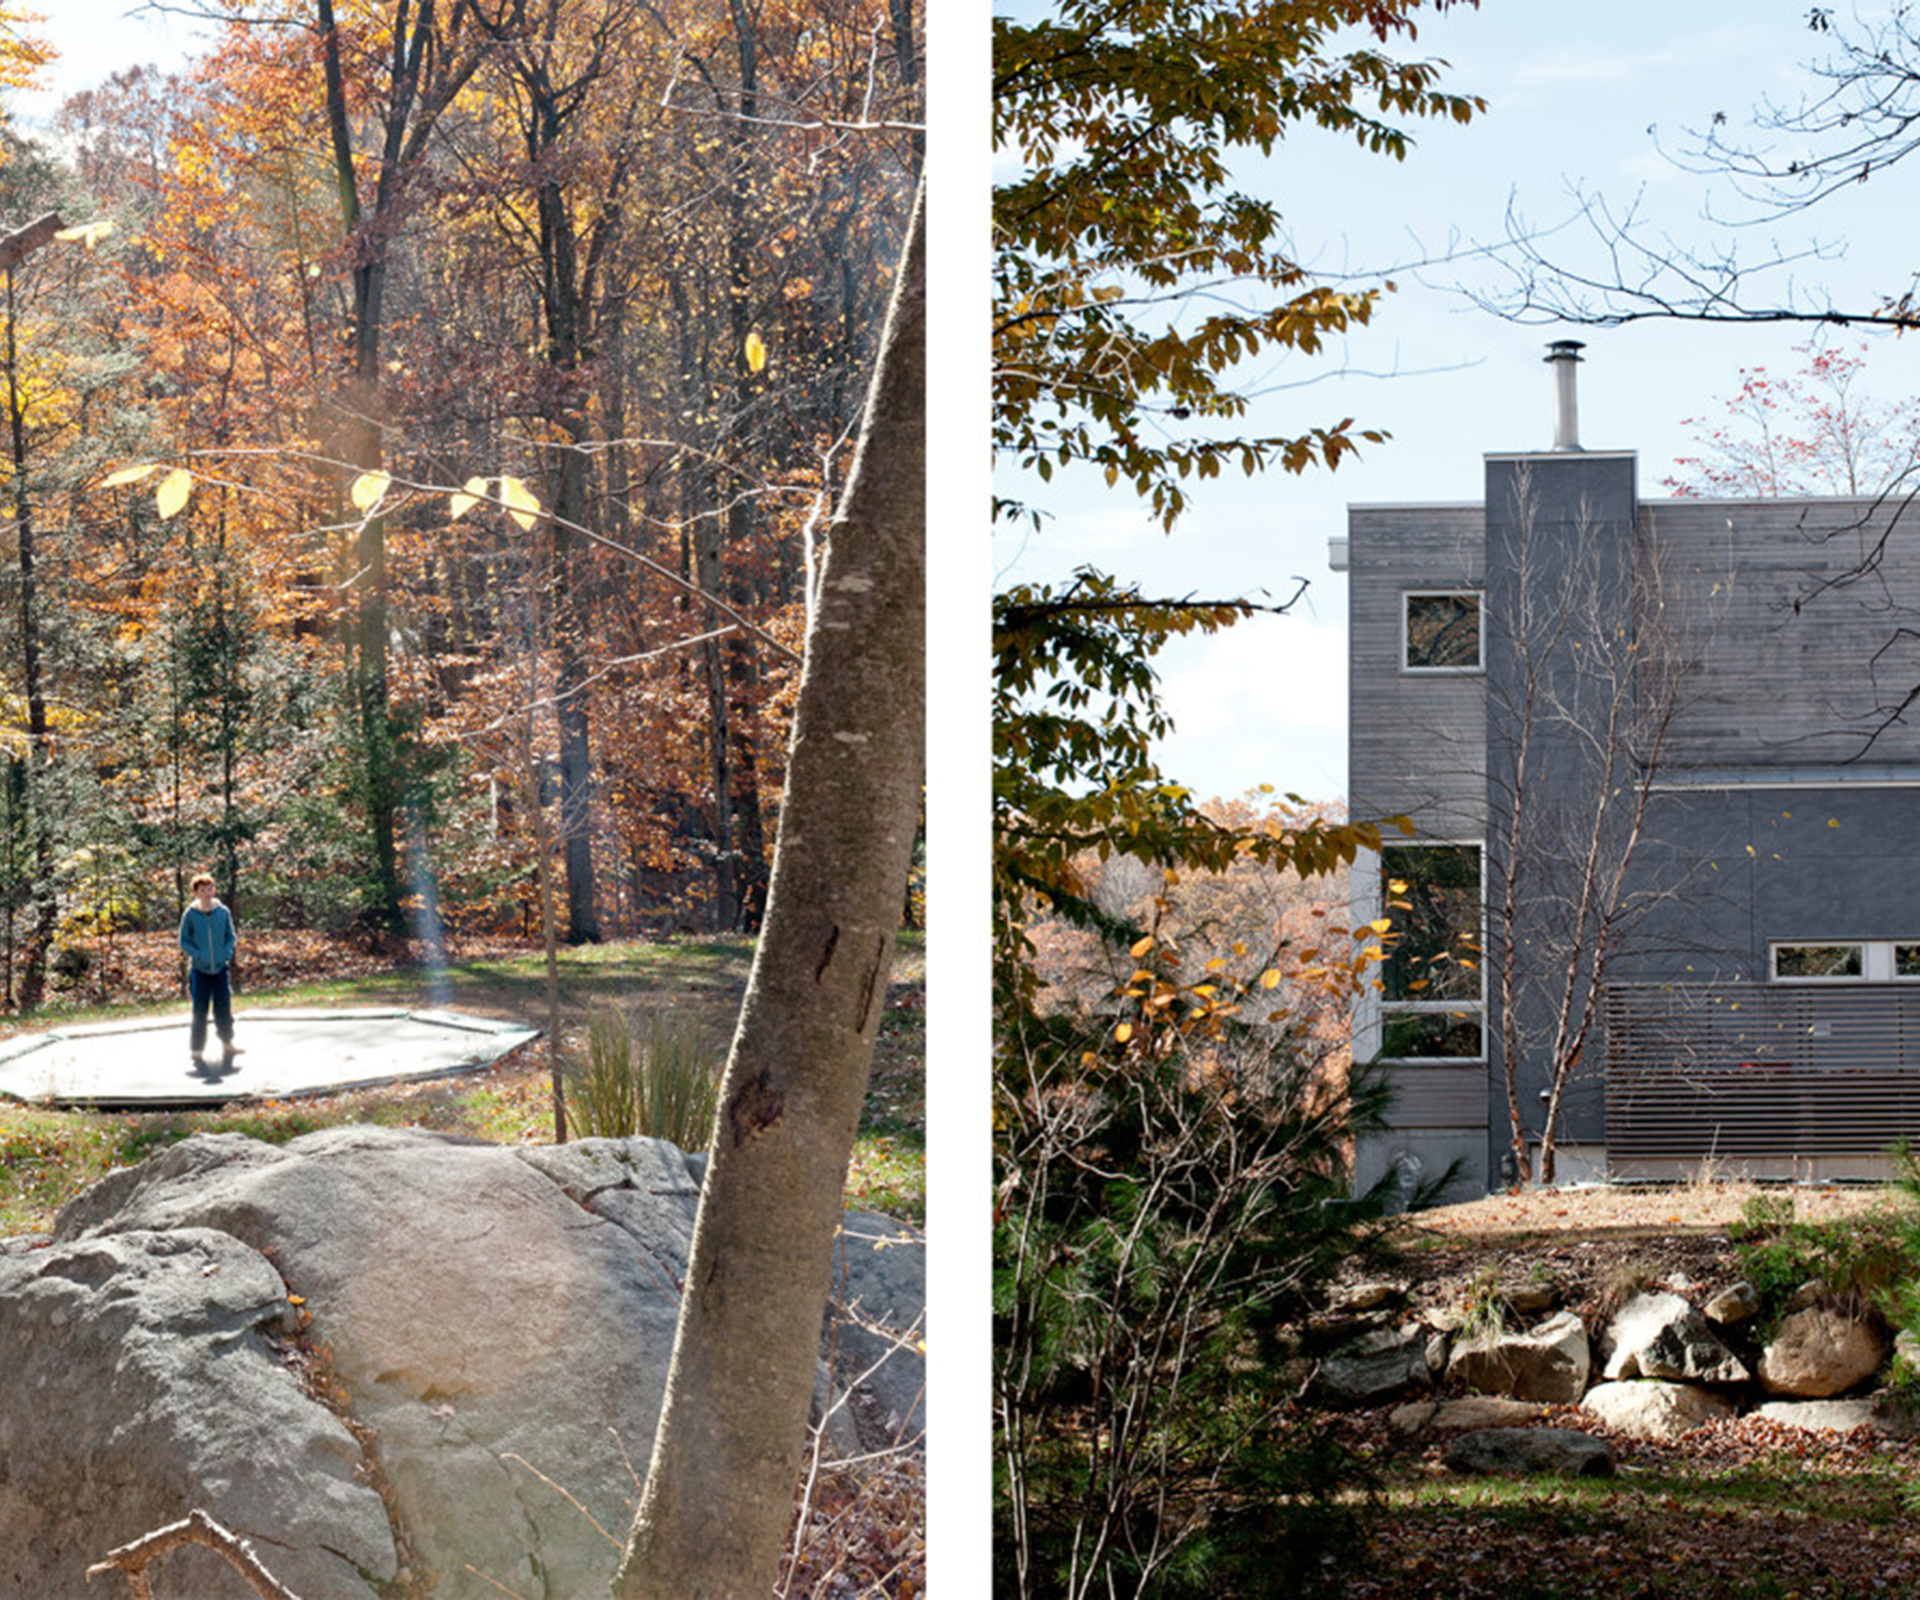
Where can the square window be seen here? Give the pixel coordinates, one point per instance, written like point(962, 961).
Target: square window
point(1432, 1036)
point(1818, 961)
point(1906, 960)
point(1442, 632)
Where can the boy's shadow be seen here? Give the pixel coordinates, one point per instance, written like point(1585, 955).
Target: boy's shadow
point(213, 1070)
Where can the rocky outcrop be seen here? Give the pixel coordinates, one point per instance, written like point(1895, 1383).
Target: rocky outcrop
point(1650, 1409)
point(149, 1372)
point(373, 1351)
point(1549, 1362)
point(1662, 1336)
point(1564, 1452)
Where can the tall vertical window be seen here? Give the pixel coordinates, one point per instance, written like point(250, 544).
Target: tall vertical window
point(1441, 631)
point(1433, 987)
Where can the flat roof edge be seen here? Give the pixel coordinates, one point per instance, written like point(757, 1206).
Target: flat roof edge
point(1703, 502)
point(1560, 455)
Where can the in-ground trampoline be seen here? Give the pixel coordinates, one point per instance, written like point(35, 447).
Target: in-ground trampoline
point(146, 1065)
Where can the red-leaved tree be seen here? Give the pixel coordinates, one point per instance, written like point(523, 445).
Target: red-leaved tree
point(1816, 431)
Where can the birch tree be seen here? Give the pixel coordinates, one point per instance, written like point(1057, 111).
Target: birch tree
point(1580, 723)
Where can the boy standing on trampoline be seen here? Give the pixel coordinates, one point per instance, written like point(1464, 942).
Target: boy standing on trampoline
point(207, 937)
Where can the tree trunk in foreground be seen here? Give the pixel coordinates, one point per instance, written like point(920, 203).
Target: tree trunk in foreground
point(726, 1457)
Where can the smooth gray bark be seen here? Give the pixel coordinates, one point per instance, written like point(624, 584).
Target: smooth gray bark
point(726, 1458)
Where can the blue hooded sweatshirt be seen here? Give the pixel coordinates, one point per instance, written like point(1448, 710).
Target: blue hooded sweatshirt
point(207, 937)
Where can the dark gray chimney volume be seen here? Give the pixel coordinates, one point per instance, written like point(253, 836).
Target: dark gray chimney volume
point(1563, 355)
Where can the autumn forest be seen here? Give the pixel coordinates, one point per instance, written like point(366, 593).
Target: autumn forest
point(420, 426)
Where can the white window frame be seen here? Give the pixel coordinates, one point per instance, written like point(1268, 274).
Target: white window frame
point(1877, 963)
point(1382, 1009)
point(1479, 598)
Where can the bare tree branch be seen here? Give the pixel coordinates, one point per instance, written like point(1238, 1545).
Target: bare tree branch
point(198, 1528)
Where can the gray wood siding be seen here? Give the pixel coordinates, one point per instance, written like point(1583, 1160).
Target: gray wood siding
point(1417, 741)
point(1795, 665)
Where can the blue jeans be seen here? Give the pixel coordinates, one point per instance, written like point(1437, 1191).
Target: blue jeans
point(214, 988)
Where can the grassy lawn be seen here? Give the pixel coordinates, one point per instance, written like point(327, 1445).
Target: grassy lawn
point(48, 1156)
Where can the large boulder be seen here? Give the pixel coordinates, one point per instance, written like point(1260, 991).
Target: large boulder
point(1821, 1351)
point(876, 1325)
point(1549, 1362)
point(1650, 1409)
point(1564, 1452)
point(486, 1336)
point(1662, 1336)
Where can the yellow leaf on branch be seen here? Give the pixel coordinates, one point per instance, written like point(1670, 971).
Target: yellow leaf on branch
point(171, 497)
point(520, 503)
point(146, 469)
point(474, 491)
point(87, 234)
point(368, 490)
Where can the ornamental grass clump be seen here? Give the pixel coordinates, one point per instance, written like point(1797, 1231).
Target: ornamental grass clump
point(661, 1084)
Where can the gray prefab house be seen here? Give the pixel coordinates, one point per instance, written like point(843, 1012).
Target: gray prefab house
point(1660, 759)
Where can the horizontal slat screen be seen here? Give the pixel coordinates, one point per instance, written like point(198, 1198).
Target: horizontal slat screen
point(1438, 1097)
point(1761, 1075)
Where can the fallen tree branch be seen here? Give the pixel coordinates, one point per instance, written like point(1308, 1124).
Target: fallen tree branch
point(201, 1529)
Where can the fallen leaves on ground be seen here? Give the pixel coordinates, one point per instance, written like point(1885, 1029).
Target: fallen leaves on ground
point(1738, 1508)
point(865, 1534)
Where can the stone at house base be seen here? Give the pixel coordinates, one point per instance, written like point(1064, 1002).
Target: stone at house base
point(1518, 1452)
point(1734, 1305)
point(1529, 1299)
point(1550, 1362)
point(1375, 1364)
point(1354, 1299)
point(1662, 1336)
point(1820, 1352)
point(1654, 1409)
point(1821, 1416)
point(1455, 1416)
